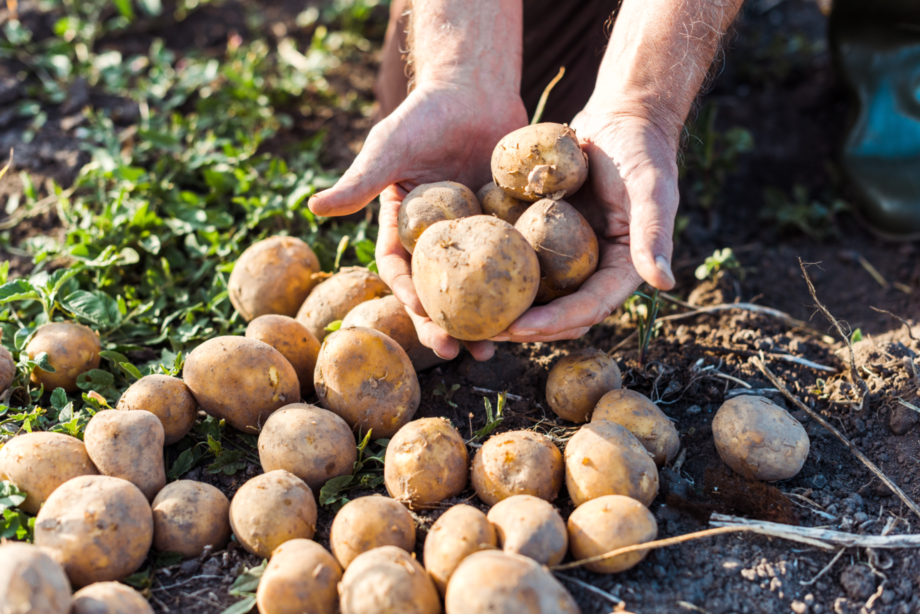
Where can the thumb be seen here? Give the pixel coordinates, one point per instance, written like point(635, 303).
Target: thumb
point(653, 205)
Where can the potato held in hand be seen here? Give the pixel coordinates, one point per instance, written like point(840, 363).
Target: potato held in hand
point(188, 516)
point(72, 349)
point(517, 463)
point(608, 523)
point(578, 381)
point(293, 340)
point(335, 297)
point(387, 580)
point(495, 201)
point(168, 398)
point(388, 316)
point(271, 509)
point(426, 462)
point(430, 203)
point(540, 161)
point(31, 582)
point(642, 418)
point(530, 526)
point(370, 522)
point(300, 577)
point(459, 532)
point(109, 598)
point(128, 445)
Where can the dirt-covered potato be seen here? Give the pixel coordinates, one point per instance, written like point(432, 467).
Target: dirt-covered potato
point(99, 528)
point(517, 463)
point(495, 201)
point(367, 379)
point(109, 598)
point(274, 275)
point(240, 380)
point(565, 244)
point(7, 369)
point(300, 577)
point(128, 445)
point(31, 582)
point(604, 458)
point(493, 582)
point(72, 349)
point(167, 398)
point(271, 509)
point(642, 418)
point(335, 297)
point(578, 381)
point(387, 580)
point(388, 316)
point(430, 203)
point(370, 522)
point(530, 526)
point(607, 523)
point(293, 340)
point(475, 276)
point(426, 462)
point(188, 516)
point(459, 532)
point(37, 463)
point(539, 161)
point(312, 443)
point(759, 439)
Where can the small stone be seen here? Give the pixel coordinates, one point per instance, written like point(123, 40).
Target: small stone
point(799, 607)
point(819, 481)
point(693, 410)
point(860, 517)
point(902, 419)
point(858, 581)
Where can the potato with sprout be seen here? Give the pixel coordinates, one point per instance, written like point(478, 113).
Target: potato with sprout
point(540, 161)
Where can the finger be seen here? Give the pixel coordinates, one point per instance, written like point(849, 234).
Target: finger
point(653, 199)
point(393, 261)
point(433, 336)
point(480, 350)
point(567, 334)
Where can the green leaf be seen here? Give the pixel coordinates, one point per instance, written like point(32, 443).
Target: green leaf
point(248, 581)
point(124, 7)
point(10, 496)
point(364, 249)
point(185, 463)
point(18, 290)
point(168, 559)
point(96, 307)
point(339, 252)
point(139, 580)
point(42, 362)
point(58, 399)
point(227, 462)
point(857, 336)
point(95, 379)
point(334, 326)
point(242, 607)
point(333, 490)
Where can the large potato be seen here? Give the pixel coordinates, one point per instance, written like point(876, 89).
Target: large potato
point(475, 276)
point(540, 161)
point(607, 523)
point(31, 582)
point(274, 275)
point(367, 379)
point(167, 398)
point(388, 316)
point(426, 462)
point(240, 380)
point(109, 598)
point(517, 463)
point(370, 522)
point(387, 580)
point(335, 297)
point(759, 439)
point(530, 526)
point(430, 203)
point(7, 369)
point(293, 340)
point(271, 509)
point(37, 463)
point(578, 381)
point(642, 418)
point(312, 443)
point(188, 516)
point(604, 458)
point(495, 201)
point(99, 528)
point(72, 349)
point(128, 445)
point(459, 532)
point(301, 577)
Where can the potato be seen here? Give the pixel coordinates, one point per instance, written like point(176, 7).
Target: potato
point(109, 598)
point(388, 316)
point(607, 523)
point(335, 297)
point(72, 349)
point(128, 445)
point(31, 582)
point(300, 577)
point(167, 398)
point(370, 522)
point(367, 379)
point(37, 463)
point(312, 443)
point(387, 580)
point(459, 532)
point(7, 369)
point(492, 582)
point(604, 458)
point(517, 463)
point(426, 462)
point(475, 276)
point(271, 509)
point(188, 516)
point(495, 201)
point(240, 380)
point(540, 161)
point(759, 439)
point(293, 340)
point(430, 203)
point(578, 381)
point(530, 526)
point(274, 275)
point(98, 527)
point(642, 418)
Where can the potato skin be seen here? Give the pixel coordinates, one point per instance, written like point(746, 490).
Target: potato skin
point(539, 161)
point(37, 463)
point(167, 398)
point(387, 580)
point(426, 462)
point(578, 381)
point(459, 532)
point(99, 528)
point(760, 439)
point(517, 463)
point(642, 418)
point(240, 380)
point(188, 516)
point(314, 444)
point(433, 202)
point(332, 299)
point(128, 445)
point(388, 316)
point(72, 349)
point(300, 577)
point(495, 201)
point(30, 581)
point(293, 340)
point(475, 276)
point(530, 526)
point(370, 522)
point(607, 523)
point(271, 509)
point(109, 598)
point(7, 369)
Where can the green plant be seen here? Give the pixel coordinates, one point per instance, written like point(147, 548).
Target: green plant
point(711, 156)
point(333, 493)
point(245, 586)
point(493, 421)
point(721, 260)
point(442, 391)
point(643, 309)
point(815, 218)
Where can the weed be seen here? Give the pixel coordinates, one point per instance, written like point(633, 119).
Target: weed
point(644, 310)
point(712, 156)
point(493, 421)
point(333, 493)
point(721, 260)
point(813, 217)
point(442, 391)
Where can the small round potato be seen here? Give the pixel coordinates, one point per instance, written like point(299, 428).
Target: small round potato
point(370, 522)
point(335, 297)
point(578, 381)
point(274, 275)
point(430, 203)
point(300, 577)
point(293, 340)
point(31, 582)
point(312, 443)
point(37, 463)
point(387, 580)
point(99, 528)
point(530, 526)
point(459, 532)
point(167, 398)
point(72, 349)
point(128, 445)
point(540, 161)
point(495, 201)
point(188, 516)
point(604, 458)
point(388, 316)
point(367, 379)
point(271, 509)
point(240, 380)
point(426, 462)
point(759, 439)
point(7, 369)
point(607, 523)
point(109, 598)
point(642, 418)
point(517, 463)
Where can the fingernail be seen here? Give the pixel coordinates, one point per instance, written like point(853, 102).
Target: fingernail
point(664, 266)
point(525, 333)
point(439, 356)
